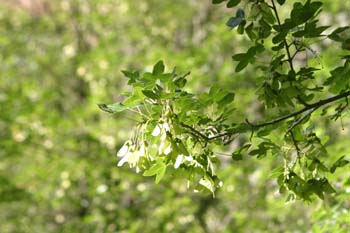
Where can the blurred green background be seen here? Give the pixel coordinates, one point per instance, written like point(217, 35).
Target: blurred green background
point(58, 172)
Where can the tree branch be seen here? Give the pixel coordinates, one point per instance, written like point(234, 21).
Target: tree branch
point(309, 107)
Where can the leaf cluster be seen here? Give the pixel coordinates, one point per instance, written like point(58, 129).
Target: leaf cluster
point(179, 130)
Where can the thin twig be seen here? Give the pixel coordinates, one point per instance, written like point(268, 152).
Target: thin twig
point(295, 143)
point(195, 131)
point(290, 60)
point(297, 122)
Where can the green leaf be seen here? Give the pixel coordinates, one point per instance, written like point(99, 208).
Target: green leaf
point(240, 13)
point(265, 29)
point(240, 29)
point(310, 30)
point(337, 34)
point(346, 44)
point(257, 152)
point(158, 169)
point(112, 108)
point(277, 172)
point(234, 22)
point(278, 47)
point(241, 65)
point(237, 155)
point(160, 173)
point(135, 99)
point(327, 188)
point(279, 37)
point(267, 13)
point(237, 20)
point(259, 48)
point(301, 13)
point(180, 82)
point(263, 148)
point(150, 94)
point(216, 93)
point(240, 57)
point(341, 162)
point(182, 149)
point(158, 68)
point(217, 1)
point(290, 198)
point(251, 32)
point(131, 75)
point(281, 2)
point(233, 3)
point(228, 98)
